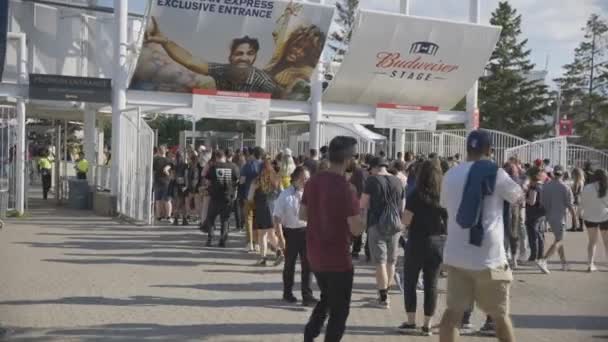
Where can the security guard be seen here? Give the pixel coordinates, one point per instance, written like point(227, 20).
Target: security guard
point(45, 165)
point(82, 166)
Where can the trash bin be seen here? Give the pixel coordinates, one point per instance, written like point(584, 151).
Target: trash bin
point(79, 194)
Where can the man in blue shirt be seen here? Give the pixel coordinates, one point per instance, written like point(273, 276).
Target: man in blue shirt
point(249, 172)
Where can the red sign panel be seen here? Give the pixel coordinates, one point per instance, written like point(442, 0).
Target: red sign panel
point(475, 124)
point(566, 127)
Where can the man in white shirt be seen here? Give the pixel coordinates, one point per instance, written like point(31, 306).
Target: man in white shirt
point(293, 237)
point(478, 270)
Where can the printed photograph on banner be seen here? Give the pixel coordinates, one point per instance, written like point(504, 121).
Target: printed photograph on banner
point(260, 46)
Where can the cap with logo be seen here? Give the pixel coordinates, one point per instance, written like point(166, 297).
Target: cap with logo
point(478, 141)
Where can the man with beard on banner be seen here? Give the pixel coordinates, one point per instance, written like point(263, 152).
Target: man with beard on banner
point(239, 75)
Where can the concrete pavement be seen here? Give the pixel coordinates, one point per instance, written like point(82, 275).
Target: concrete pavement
point(70, 276)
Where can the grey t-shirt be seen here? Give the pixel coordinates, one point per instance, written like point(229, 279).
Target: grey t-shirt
point(556, 198)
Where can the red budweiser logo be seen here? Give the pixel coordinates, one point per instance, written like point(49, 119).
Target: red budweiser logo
point(393, 60)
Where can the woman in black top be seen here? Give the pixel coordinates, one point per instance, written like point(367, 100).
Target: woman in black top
point(535, 214)
point(425, 221)
point(179, 187)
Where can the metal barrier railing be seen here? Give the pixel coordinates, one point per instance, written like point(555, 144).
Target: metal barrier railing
point(554, 149)
point(102, 178)
point(134, 196)
point(579, 155)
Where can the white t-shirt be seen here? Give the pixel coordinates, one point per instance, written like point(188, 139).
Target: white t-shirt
point(595, 209)
point(458, 251)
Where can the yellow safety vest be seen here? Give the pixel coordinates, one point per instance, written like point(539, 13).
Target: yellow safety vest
point(82, 166)
point(45, 163)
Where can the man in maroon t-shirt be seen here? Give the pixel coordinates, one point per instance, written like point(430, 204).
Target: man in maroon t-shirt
point(331, 208)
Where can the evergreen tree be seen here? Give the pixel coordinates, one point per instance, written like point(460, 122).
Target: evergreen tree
point(584, 85)
point(345, 19)
point(510, 99)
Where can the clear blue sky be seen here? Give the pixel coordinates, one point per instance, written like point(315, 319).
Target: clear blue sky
point(553, 27)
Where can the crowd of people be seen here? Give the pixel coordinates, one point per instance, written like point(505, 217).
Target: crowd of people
point(472, 220)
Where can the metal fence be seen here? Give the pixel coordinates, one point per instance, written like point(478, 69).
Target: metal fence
point(502, 142)
point(281, 135)
point(8, 138)
point(554, 149)
point(102, 178)
point(135, 180)
point(579, 155)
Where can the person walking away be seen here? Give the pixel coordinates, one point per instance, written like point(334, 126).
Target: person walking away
point(473, 194)
point(263, 192)
point(161, 166)
point(45, 167)
point(357, 179)
point(535, 214)
point(578, 183)
point(249, 173)
point(82, 166)
point(556, 198)
point(223, 179)
point(192, 181)
point(180, 190)
point(425, 222)
point(594, 205)
point(333, 217)
point(287, 167)
point(384, 201)
point(292, 234)
point(312, 163)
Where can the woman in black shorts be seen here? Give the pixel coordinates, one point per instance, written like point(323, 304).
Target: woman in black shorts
point(594, 204)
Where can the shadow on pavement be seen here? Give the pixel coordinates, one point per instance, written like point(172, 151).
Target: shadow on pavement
point(158, 332)
point(560, 322)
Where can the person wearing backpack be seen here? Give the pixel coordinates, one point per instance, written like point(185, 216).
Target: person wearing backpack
point(384, 201)
point(223, 179)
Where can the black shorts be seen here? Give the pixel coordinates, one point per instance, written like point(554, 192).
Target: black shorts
point(600, 225)
point(161, 192)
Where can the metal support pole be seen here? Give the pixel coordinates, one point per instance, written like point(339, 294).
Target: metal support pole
point(316, 98)
point(404, 8)
point(90, 141)
point(20, 155)
point(472, 105)
point(119, 85)
point(57, 159)
point(260, 133)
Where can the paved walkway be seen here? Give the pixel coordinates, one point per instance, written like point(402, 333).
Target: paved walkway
point(71, 276)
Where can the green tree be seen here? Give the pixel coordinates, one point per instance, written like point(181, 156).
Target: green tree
point(584, 85)
point(509, 98)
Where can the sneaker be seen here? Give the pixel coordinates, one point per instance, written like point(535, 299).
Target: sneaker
point(592, 268)
point(262, 262)
point(383, 304)
point(565, 267)
point(222, 244)
point(184, 222)
point(311, 301)
point(407, 328)
point(175, 221)
point(542, 266)
point(170, 220)
point(488, 329)
point(426, 331)
point(467, 329)
point(290, 298)
point(279, 260)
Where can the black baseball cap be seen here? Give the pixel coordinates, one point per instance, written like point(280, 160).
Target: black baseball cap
point(478, 141)
point(378, 162)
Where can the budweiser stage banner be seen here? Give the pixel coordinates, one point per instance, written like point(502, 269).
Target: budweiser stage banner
point(412, 61)
point(253, 46)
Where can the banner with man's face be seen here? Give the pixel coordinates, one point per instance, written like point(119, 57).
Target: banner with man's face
point(258, 46)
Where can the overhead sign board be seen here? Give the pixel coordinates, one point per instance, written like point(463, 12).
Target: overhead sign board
point(394, 58)
point(406, 117)
point(566, 127)
point(70, 88)
point(232, 45)
point(231, 105)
